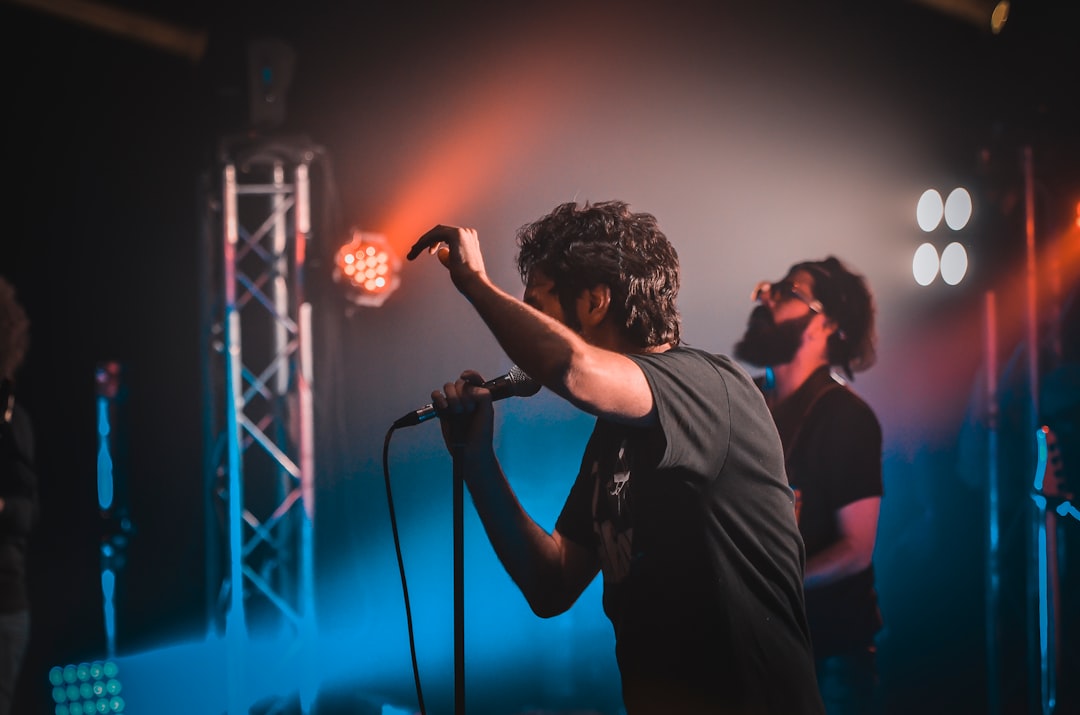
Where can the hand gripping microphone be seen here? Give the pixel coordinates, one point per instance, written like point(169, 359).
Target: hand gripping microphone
point(513, 384)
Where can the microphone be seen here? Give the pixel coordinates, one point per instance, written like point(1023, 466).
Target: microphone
point(513, 384)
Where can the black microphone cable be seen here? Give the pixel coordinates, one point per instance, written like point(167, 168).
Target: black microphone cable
point(401, 569)
point(515, 383)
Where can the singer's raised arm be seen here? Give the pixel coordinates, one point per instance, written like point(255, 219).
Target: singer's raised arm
point(585, 366)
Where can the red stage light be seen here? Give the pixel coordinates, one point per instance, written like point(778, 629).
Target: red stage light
point(368, 268)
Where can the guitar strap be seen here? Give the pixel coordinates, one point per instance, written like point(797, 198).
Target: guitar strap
point(826, 387)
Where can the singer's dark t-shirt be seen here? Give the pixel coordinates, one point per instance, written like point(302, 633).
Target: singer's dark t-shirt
point(694, 524)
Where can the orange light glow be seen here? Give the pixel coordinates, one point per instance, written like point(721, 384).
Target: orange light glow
point(491, 127)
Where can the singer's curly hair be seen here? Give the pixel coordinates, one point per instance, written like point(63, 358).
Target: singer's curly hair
point(580, 247)
point(847, 300)
point(14, 331)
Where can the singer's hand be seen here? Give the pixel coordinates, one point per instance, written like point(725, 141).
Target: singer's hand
point(465, 413)
point(457, 248)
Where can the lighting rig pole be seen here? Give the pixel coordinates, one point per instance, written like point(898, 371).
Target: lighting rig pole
point(260, 473)
point(1043, 576)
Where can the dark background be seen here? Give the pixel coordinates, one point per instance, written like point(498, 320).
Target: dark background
point(760, 134)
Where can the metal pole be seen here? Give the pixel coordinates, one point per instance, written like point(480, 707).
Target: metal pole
point(459, 586)
point(285, 575)
point(1040, 592)
point(993, 565)
point(306, 446)
point(1031, 293)
point(280, 288)
point(235, 621)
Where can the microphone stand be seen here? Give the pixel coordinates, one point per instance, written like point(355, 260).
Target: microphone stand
point(459, 572)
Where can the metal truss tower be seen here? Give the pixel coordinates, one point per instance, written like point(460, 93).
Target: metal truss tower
point(259, 422)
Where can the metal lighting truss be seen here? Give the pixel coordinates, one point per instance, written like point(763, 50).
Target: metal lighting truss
point(261, 467)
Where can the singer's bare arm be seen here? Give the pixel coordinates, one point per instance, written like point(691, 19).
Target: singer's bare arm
point(550, 571)
point(589, 370)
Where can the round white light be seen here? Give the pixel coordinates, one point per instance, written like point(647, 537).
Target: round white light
point(930, 210)
point(958, 209)
point(925, 265)
point(954, 263)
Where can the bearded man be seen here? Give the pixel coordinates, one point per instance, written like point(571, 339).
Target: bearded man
point(815, 323)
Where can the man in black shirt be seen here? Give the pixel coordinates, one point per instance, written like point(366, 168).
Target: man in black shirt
point(18, 497)
point(821, 316)
point(680, 501)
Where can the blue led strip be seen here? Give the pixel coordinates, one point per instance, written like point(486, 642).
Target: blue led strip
point(104, 458)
